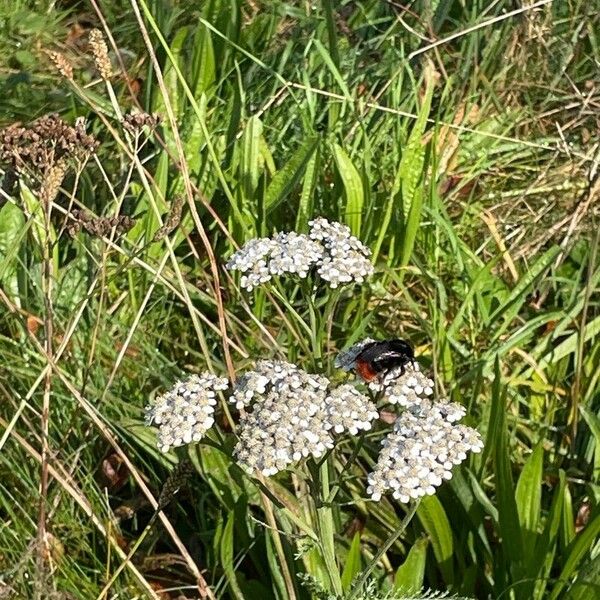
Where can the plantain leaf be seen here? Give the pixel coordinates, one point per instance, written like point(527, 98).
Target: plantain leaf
point(410, 574)
point(353, 189)
point(529, 495)
point(433, 517)
point(286, 179)
point(353, 563)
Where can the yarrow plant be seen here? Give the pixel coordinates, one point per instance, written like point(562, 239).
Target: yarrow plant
point(287, 418)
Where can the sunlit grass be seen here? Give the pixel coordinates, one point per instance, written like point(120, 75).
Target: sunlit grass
point(467, 163)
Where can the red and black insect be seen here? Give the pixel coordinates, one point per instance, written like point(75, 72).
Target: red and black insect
point(378, 358)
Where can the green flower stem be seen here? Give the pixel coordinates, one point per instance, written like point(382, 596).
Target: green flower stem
point(356, 589)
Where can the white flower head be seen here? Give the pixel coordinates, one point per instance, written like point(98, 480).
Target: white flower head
point(185, 412)
point(292, 414)
point(421, 452)
point(345, 258)
point(329, 249)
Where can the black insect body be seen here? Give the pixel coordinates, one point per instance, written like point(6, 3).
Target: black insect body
point(378, 358)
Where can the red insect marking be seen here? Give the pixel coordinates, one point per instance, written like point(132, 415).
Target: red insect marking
point(365, 370)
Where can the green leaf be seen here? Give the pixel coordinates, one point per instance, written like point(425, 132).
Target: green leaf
point(12, 230)
point(529, 495)
point(410, 173)
point(171, 80)
point(433, 518)
point(203, 62)
point(593, 423)
point(353, 188)
point(305, 210)
point(519, 292)
point(410, 574)
point(575, 553)
point(353, 563)
point(251, 163)
point(226, 553)
point(286, 179)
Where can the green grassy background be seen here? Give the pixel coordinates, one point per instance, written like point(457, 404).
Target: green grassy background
point(459, 141)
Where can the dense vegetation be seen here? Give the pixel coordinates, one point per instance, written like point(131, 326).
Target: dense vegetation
point(459, 140)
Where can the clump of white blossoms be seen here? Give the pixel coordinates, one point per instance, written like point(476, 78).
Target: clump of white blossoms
point(185, 412)
point(293, 414)
point(345, 258)
point(329, 248)
point(421, 451)
point(425, 444)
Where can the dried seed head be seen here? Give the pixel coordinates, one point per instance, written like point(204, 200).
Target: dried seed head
point(135, 122)
point(63, 66)
point(52, 182)
point(44, 143)
point(98, 226)
point(100, 53)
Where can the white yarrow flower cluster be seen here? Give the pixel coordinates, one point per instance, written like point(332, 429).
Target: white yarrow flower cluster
point(185, 412)
point(410, 389)
point(337, 256)
point(421, 452)
point(292, 415)
point(345, 258)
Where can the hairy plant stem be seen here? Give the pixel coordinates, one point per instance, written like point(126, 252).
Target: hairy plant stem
point(47, 275)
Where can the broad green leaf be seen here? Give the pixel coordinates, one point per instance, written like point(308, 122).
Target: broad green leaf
point(286, 179)
point(569, 345)
point(410, 172)
point(353, 563)
point(353, 189)
point(171, 80)
point(433, 518)
point(410, 574)
point(227, 556)
point(587, 584)
point(529, 495)
point(12, 230)
point(497, 445)
point(311, 177)
point(251, 164)
point(203, 62)
point(546, 543)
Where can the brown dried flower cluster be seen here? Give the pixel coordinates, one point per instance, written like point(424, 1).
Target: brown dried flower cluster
point(63, 66)
point(98, 226)
point(100, 53)
point(172, 221)
point(135, 122)
point(44, 143)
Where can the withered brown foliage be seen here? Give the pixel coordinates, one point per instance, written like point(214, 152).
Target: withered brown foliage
point(98, 226)
point(44, 143)
point(172, 221)
point(134, 123)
